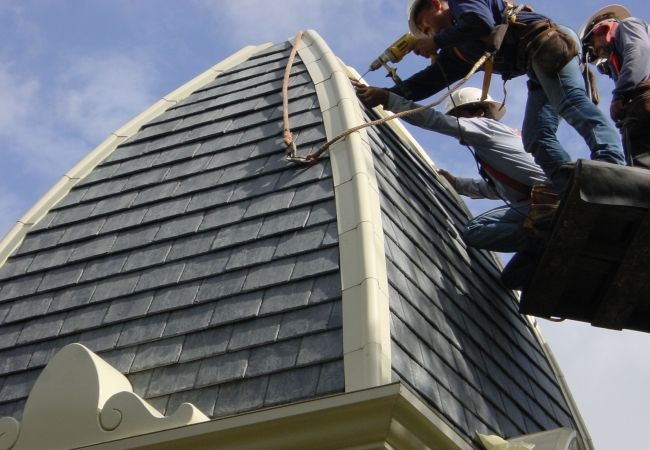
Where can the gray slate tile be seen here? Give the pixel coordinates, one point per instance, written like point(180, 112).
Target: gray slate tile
point(221, 286)
point(222, 368)
point(203, 399)
point(301, 241)
point(37, 241)
point(158, 353)
point(148, 256)
point(163, 275)
point(332, 378)
point(124, 220)
point(321, 347)
point(210, 198)
point(224, 215)
point(115, 287)
point(205, 265)
point(9, 334)
point(272, 358)
point(174, 297)
point(15, 266)
point(85, 318)
point(191, 245)
point(189, 319)
point(286, 296)
point(43, 328)
point(170, 379)
point(237, 308)
point(29, 307)
point(304, 321)
point(241, 396)
point(206, 343)
point(101, 339)
point(181, 226)
point(325, 288)
point(293, 385)
point(238, 233)
point(270, 274)
point(256, 252)
point(20, 287)
point(104, 267)
point(65, 276)
point(15, 359)
point(255, 332)
point(92, 248)
point(283, 222)
point(135, 237)
point(143, 330)
point(128, 307)
point(317, 262)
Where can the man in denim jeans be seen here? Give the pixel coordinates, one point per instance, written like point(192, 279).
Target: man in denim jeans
point(508, 172)
point(458, 32)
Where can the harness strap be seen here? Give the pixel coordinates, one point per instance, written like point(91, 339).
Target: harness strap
point(508, 181)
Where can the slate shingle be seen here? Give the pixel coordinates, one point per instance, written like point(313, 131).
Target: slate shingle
point(241, 396)
point(222, 368)
point(158, 353)
point(206, 343)
point(290, 386)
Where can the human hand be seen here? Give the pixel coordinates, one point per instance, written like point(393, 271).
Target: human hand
point(449, 177)
point(617, 110)
point(370, 96)
point(425, 47)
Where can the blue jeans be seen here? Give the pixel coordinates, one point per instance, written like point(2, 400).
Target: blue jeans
point(498, 229)
point(564, 94)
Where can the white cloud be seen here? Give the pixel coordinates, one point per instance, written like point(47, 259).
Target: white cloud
point(17, 96)
point(98, 94)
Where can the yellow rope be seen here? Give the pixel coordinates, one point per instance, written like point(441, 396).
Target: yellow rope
point(287, 135)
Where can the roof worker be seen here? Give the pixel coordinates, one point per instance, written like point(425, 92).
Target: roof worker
point(619, 45)
point(508, 171)
point(459, 32)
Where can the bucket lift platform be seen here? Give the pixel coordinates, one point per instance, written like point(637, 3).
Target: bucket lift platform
point(596, 266)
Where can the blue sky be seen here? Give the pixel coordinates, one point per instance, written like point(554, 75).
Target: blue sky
point(73, 71)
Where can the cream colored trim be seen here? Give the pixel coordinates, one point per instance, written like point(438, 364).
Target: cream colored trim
point(15, 236)
point(584, 437)
point(78, 400)
point(386, 417)
point(366, 325)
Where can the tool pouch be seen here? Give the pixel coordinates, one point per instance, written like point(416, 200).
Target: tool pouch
point(546, 45)
point(638, 109)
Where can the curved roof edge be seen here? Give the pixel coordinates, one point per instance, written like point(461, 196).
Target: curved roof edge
point(15, 235)
point(364, 280)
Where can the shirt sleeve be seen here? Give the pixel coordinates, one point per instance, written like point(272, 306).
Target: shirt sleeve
point(634, 47)
point(476, 188)
point(431, 119)
point(435, 77)
point(469, 27)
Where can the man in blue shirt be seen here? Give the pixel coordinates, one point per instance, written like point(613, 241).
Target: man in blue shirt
point(458, 32)
point(619, 45)
point(508, 171)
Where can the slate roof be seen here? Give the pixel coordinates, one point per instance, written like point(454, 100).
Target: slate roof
point(457, 336)
point(194, 259)
point(198, 262)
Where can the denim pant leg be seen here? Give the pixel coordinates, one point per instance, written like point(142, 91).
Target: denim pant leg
point(539, 136)
point(498, 230)
point(567, 95)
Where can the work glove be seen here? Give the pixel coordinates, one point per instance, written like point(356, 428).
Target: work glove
point(449, 177)
point(370, 96)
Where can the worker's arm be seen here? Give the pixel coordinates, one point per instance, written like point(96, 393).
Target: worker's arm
point(473, 188)
point(633, 44)
point(435, 120)
point(435, 77)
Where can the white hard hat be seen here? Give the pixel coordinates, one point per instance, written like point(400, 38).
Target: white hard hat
point(410, 14)
point(469, 95)
point(618, 12)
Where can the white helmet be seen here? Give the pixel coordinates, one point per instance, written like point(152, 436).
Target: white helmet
point(469, 95)
point(618, 12)
point(410, 14)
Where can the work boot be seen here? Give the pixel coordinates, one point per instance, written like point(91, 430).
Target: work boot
point(516, 275)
